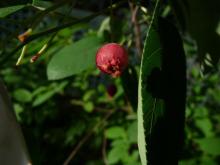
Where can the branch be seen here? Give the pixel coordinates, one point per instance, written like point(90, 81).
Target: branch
point(137, 32)
point(85, 138)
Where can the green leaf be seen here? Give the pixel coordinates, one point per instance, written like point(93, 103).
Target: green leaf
point(115, 155)
point(149, 108)
point(188, 162)
point(201, 112)
point(88, 106)
point(9, 10)
point(73, 58)
point(132, 132)
point(205, 125)
point(118, 152)
point(39, 90)
point(208, 160)
point(89, 95)
point(132, 159)
point(41, 4)
point(34, 2)
point(22, 95)
point(18, 109)
point(210, 145)
point(115, 132)
point(43, 97)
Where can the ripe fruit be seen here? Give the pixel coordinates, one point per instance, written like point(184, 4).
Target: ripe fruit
point(112, 59)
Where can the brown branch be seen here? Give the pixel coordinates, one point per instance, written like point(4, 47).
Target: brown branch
point(137, 31)
point(85, 138)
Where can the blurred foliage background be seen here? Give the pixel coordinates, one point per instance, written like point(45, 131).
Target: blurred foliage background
point(68, 109)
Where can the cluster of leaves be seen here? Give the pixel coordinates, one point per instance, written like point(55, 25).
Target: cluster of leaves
point(202, 117)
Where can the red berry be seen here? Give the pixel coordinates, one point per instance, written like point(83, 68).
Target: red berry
point(112, 59)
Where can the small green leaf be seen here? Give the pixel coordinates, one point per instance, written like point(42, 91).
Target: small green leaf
point(18, 109)
point(9, 10)
point(39, 90)
point(73, 58)
point(90, 94)
point(115, 132)
point(115, 155)
point(205, 125)
point(118, 152)
point(188, 162)
point(34, 2)
point(88, 106)
point(43, 97)
point(22, 95)
point(41, 4)
point(210, 145)
point(132, 132)
point(200, 112)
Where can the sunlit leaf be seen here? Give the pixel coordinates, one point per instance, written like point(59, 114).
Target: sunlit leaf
point(210, 145)
point(115, 132)
point(118, 152)
point(41, 4)
point(22, 95)
point(9, 10)
point(73, 58)
point(43, 97)
point(205, 125)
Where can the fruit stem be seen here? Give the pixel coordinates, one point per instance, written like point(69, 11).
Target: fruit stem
point(39, 53)
point(22, 55)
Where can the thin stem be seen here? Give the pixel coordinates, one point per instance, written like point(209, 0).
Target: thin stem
point(85, 138)
point(22, 55)
point(137, 31)
point(111, 21)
